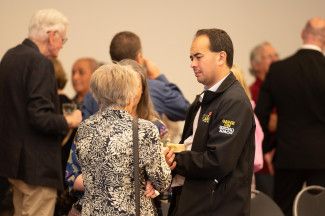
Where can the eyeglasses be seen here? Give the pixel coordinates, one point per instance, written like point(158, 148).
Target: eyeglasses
point(63, 39)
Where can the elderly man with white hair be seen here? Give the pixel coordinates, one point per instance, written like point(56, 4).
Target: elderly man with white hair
point(31, 123)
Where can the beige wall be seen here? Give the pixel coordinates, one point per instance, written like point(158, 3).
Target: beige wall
point(166, 28)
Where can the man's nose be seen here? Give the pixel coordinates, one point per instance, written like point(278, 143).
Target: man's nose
point(193, 63)
point(75, 76)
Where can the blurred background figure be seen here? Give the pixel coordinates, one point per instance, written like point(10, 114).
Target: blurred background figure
point(80, 77)
point(259, 135)
point(167, 98)
point(261, 58)
point(61, 80)
point(63, 203)
point(295, 87)
point(104, 147)
point(31, 122)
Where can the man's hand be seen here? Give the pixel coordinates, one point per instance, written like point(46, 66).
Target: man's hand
point(268, 157)
point(273, 122)
point(78, 184)
point(74, 118)
point(152, 70)
point(169, 157)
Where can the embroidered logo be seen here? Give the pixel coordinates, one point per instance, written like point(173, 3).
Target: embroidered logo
point(227, 127)
point(206, 117)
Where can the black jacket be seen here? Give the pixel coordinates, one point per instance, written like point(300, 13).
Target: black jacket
point(218, 169)
point(31, 127)
point(295, 87)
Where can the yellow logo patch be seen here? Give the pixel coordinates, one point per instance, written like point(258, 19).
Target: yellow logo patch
point(206, 117)
point(228, 123)
point(227, 127)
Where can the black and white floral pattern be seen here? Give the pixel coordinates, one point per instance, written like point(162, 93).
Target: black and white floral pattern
point(104, 149)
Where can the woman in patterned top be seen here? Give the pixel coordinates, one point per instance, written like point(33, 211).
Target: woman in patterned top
point(144, 110)
point(104, 147)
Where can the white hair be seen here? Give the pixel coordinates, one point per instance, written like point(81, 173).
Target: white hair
point(114, 85)
point(256, 55)
point(44, 21)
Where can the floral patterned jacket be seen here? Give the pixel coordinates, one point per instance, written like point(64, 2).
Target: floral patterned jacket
point(104, 149)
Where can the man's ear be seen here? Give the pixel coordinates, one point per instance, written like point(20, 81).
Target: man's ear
point(139, 58)
point(222, 58)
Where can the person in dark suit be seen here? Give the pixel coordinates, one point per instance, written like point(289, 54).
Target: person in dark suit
point(295, 87)
point(213, 177)
point(31, 126)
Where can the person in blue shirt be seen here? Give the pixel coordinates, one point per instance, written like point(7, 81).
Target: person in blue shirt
point(167, 98)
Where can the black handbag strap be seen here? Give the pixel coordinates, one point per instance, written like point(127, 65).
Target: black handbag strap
point(136, 165)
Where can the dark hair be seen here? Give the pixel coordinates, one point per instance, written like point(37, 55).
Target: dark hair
point(124, 45)
point(219, 41)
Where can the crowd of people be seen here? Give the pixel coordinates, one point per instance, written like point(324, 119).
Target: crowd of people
point(84, 161)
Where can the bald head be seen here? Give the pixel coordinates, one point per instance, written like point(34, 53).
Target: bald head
point(314, 32)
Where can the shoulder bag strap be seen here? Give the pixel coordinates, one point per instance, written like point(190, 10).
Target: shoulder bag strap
point(136, 165)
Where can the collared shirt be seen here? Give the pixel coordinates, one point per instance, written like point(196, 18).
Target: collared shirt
point(178, 180)
point(188, 142)
point(215, 87)
point(311, 46)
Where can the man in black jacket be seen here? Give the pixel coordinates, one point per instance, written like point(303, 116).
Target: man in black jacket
point(213, 176)
point(31, 126)
point(295, 87)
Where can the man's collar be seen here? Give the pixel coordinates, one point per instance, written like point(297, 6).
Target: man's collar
point(215, 87)
point(30, 43)
point(311, 46)
point(223, 85)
